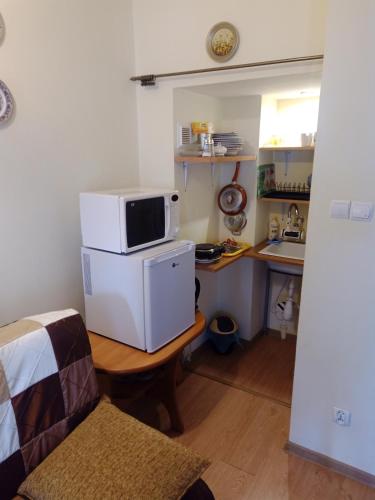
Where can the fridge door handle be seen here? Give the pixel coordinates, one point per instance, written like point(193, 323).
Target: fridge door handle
point(169, 255)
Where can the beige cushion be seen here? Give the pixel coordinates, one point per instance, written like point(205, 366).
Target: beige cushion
point(113, 456)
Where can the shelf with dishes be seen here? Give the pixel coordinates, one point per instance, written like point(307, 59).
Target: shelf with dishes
point(277, 190)
point(284, 149)
point(186, 161)
point(270, 199)
point(214, 159)
point(278, 196)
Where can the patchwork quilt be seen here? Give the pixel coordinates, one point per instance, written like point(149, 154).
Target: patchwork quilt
point(47, 387)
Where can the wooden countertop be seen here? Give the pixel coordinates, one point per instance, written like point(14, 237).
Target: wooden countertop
point(223, 262)
point(253, 253)
point(114, 357)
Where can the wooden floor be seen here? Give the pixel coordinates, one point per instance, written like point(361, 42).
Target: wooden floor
point(243, 431)
point(244, 436)
point(262, 367)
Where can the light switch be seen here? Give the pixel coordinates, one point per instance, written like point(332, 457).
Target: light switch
point(361, 210)
point(340, 209)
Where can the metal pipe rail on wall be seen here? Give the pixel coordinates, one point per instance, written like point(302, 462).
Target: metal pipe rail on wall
point(150, 80)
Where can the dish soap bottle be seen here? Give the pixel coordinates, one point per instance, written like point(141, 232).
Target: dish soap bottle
point(274, 229)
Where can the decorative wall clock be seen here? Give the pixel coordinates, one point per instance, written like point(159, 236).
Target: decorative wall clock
point(222, 41)
point(6, 103)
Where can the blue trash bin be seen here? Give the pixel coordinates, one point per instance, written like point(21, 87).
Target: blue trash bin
point(223, 333)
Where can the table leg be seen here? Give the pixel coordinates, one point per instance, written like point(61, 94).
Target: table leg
point(165, 389)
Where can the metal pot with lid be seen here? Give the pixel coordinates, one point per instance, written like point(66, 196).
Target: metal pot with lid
point(208, 251)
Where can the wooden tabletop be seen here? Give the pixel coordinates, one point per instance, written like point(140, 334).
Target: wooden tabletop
point(117, 358)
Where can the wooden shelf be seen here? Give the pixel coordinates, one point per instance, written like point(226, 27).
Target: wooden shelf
point(286, 148)
point(214, 159)
point(217, 266)
point(285, 200)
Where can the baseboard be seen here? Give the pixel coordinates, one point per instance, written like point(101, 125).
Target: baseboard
point(320, 459)
point(277, 333)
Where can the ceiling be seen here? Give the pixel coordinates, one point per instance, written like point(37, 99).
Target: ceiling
point(280, 87)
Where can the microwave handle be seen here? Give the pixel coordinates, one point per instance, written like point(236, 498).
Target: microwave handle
point(168, 217)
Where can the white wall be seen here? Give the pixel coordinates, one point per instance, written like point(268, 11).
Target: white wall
point(162, 28)
point(336, 341)
point(171, 36)
point(242, 114)
point(201, 219)
point(199, 211)
point(241, 293)
point(296, 116)
point(68, 65)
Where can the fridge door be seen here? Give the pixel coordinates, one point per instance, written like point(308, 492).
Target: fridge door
point(169, 289)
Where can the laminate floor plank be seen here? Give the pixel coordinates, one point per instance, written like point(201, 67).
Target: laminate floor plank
point(244, 436)
point(264, 366)
point(228, 482)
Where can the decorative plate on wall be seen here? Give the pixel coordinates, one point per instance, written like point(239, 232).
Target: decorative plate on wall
point(223, 41)
point(2, 29)
point(6, 103)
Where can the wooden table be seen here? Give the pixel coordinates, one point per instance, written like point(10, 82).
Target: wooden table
point(118, 360)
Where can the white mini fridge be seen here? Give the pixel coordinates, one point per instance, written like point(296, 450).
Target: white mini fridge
point(144, 299)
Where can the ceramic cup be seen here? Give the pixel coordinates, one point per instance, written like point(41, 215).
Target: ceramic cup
point(306, 139)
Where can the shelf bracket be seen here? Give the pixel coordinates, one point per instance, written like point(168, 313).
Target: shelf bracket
point(185, 166)
point(286, 162)
point(212, 174)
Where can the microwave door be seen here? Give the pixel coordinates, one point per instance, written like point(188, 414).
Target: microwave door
point(145, 221)
point(169, 295)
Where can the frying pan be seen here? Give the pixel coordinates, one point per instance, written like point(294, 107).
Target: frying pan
point(232, 198)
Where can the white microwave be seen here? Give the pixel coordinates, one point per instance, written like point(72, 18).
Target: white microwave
point(127, 220)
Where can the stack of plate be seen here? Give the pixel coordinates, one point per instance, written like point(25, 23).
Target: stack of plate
point(230, 140)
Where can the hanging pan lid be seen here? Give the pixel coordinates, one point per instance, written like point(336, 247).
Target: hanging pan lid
point(232, 198)
point(235, 223)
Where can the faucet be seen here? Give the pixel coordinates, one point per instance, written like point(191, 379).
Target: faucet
point(291, 206)
point(294, 230)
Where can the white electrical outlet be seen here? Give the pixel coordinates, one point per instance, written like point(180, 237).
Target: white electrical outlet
point(341, 417)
